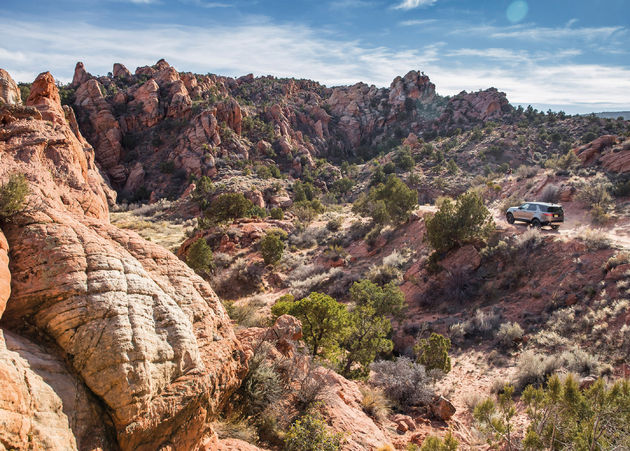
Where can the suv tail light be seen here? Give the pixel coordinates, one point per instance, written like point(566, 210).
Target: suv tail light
point(548, 214)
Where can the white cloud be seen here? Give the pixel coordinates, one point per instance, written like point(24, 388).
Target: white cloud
point(412, 4)
point(299, 51)
point(346, 4)
point(415, 22)
point(530, 32)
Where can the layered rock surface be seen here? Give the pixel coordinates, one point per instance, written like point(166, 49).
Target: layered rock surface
point(111, 341)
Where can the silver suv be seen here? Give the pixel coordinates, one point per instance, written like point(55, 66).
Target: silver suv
point(537, 214)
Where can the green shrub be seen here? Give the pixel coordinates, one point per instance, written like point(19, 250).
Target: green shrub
point(369, 328)
point(404, 160)
point(324, 321)
point(342, 186)
point(389, 168)
point(561, 416)
point(389, 202)
point(167, 167)
point(204, 188)
point(433, 353)
point(310, 433)
point(433, 443)
point(565, 417)
point(272, 247)
point(12, 196)
point(455, 224)
point(227, 207)
point(276, 213)
point(495, 420)
point(200, 257)
point(334, 224)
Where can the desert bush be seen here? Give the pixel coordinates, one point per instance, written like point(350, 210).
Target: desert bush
point(238, 429)
point(384, 274)
point(310, 433)
point(563, 162)
point(373, 235)
point(494, 420)
point(272, 246)
point(369, 328)
point(550, 193)
point(246, 314)
point(620, 258)
point(534, 369)
point(481, 324)
point(404, 160)
point(318, 278)
point(433, 353)
point(388, 202)
point(596, 192)
point(396, 259)
point(375, 403)
point(227, 207)
point(433, 443)
point(307, 210)
point(260, 388)
point(526, 172)
point(324, 321)
point(529, 240)
point(594, 239)
point(276, 213)
point(565, 417)
point(509, 335)
point(455, 224)
point(200, 257)
point(405, 382)
point(334, 224)
point(13, 196)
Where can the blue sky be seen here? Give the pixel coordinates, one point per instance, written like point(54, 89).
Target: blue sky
point(558, 54)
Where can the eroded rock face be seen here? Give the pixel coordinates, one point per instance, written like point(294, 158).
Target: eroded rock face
point(9, 91)
point(468, 108)
point(104, 131)
point(80, 75)
point(141, 333)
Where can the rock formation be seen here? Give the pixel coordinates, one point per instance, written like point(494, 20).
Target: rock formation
point(159, 114)
point(110, 341)
point(9, 91)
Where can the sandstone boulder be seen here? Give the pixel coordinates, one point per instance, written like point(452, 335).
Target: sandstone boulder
point(442, 408)
point(9, 91)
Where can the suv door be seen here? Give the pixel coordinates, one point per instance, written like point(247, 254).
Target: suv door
point(521, 212)
point(532, 212)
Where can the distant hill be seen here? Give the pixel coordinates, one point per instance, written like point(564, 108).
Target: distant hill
point(614, 114)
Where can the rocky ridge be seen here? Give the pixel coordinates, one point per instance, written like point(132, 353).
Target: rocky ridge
point(138, 122)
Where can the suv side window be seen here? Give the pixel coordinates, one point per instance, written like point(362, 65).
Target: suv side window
point(525, 207)
point(532, 207)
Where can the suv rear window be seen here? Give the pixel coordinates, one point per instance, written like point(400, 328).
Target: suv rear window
point(554, 209)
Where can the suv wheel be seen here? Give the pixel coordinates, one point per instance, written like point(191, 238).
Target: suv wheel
point(536, 223)
point(510, 218)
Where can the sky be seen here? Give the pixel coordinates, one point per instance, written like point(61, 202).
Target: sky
point(570, 55)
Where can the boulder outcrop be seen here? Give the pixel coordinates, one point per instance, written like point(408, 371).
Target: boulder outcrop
point(111, 341)
point(9, 91)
